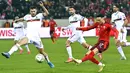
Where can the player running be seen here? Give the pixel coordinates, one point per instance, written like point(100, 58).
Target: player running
point(100, 46)
point(20, 32)
point(119, 20)
point(75, 20)
point(34, 22)
point(52, 25)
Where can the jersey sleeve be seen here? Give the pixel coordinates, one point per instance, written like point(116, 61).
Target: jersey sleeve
point(68, 27)
point(89, 27)
point(41, 15)
point(123, 17)
point(80, 18)
point(25, 17)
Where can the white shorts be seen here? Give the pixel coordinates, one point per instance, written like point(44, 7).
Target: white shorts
point(36, 40)
point(76, 37)
point(19, 33)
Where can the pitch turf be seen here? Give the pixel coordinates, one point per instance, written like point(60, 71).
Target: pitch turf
point(25, 63)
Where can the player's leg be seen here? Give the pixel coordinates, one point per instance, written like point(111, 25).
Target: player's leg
point(99, 47)
point(69, 51)
point(127, 43)
point(39, 46)
point(119, 48)
point(20, 48)
point(90, 56)
point(15, 47)
point(124, 40)
point(52, 36)
point(28, 50)
point(70, 40)
point(82, 41)
point(17, 38)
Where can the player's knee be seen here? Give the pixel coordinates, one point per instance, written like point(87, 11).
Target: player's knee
point(123, 44)
point(85, 45)
point(118, 44)
point(67, 43)
point(40, 50)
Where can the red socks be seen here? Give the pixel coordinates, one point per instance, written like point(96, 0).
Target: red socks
point(90, 57)
point(94, 60)
point(87, 57)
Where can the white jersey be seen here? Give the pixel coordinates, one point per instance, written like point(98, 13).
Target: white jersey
point(19, 30)
point(33, 25)
point(18, 24)
point(74, 22)
point(118, 19)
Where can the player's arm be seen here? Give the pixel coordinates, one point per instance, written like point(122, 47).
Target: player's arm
point(65, 28)
point(20, 19)
point(88, 28)
point(45, 13)
point(125, 22)
point(81, 19)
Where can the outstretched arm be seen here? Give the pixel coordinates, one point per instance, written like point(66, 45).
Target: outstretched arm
point(45, 13)
point(88, 28)
point(20, 19)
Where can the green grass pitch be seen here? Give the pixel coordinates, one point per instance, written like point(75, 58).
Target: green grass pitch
point(24, 63)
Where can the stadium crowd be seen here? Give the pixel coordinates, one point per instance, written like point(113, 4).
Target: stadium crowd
point(11, 8)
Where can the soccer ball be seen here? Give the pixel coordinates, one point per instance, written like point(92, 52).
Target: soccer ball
point(39, 58)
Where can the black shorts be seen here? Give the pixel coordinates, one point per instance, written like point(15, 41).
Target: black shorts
point(51, 32)
point(101, 46)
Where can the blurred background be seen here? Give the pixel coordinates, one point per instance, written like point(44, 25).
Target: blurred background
point(87, 8)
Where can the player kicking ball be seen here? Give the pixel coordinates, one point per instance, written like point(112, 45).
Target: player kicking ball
point(34, 22)
point(100, 46)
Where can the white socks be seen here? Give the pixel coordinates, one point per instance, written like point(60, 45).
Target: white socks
point(26, 46)
point(13, 49)
point(120, 51)
point(127, 43)
point(20, 48)
point(47, 58)
point(89, 47)
point(100, 64)
point(69, 50)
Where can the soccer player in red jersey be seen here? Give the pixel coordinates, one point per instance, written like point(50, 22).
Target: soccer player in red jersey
point(100, 46)
point(52, 25)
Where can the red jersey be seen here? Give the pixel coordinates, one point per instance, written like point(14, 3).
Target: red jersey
point(104, 30)
point(52, 25)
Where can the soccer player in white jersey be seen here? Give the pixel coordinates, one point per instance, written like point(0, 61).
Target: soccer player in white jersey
point(34, 22)
point(119, 20)
point(75, 20)
point(20, 32)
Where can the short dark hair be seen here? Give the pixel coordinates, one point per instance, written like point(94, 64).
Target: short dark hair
point(116, 5)
point(100, 15)
point(33, 7)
